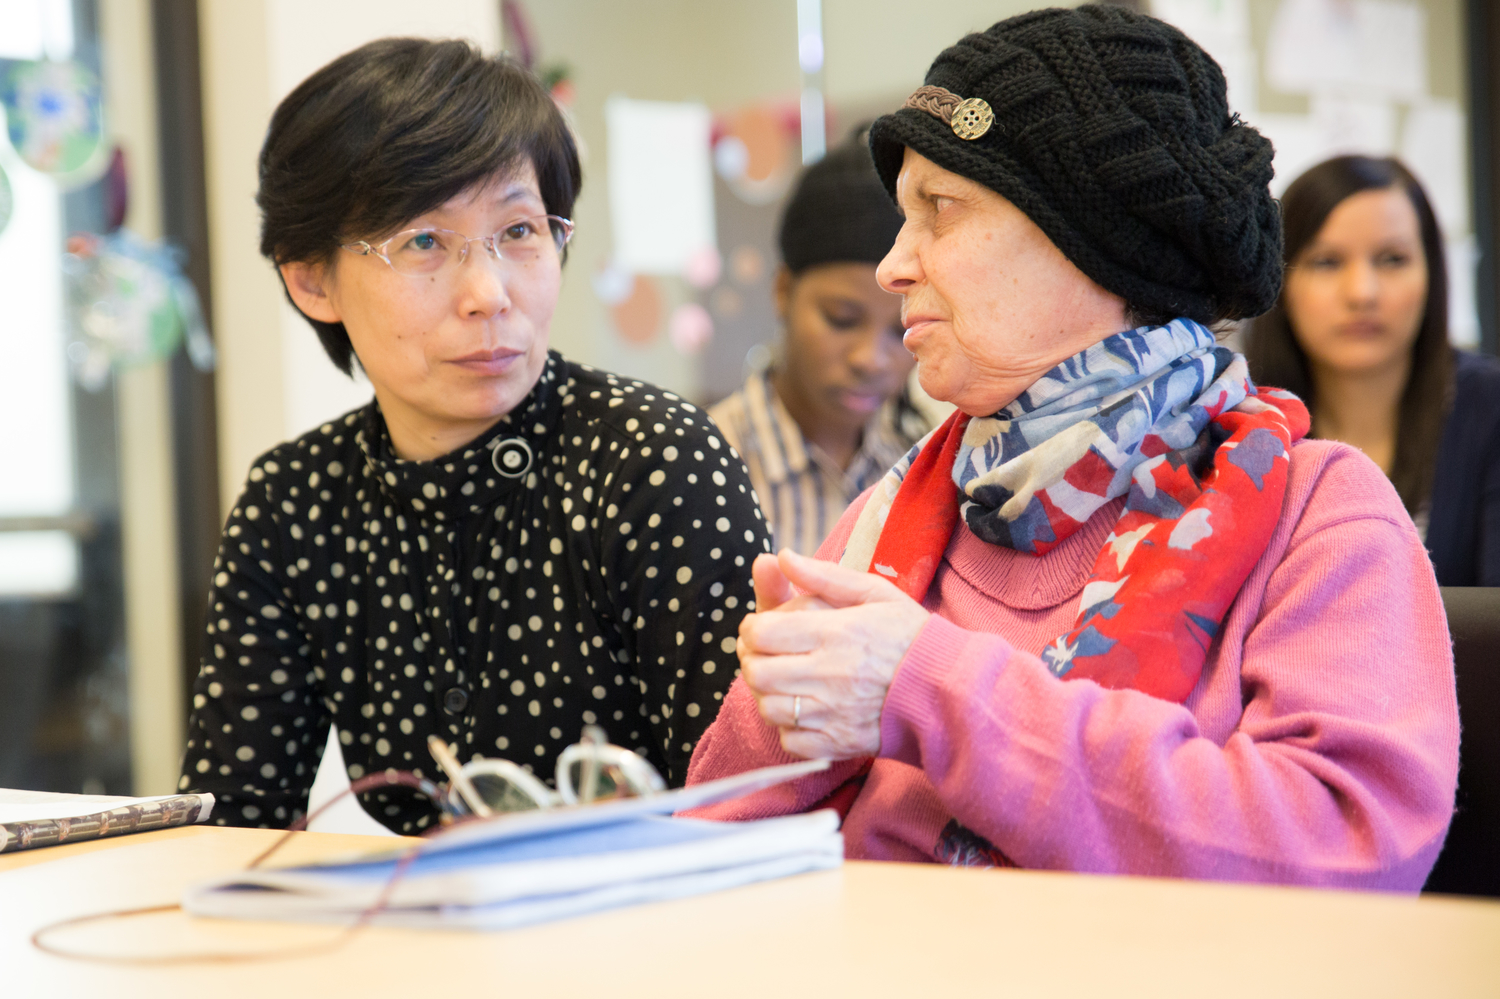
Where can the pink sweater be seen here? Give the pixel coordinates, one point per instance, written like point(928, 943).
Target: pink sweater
point(1319, 747)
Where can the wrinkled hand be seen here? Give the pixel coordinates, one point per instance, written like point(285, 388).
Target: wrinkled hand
point(837, 644)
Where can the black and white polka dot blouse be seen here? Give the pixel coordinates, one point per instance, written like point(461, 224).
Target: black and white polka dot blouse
point(586, 561)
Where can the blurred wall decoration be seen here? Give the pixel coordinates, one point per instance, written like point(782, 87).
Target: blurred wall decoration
point(755, 150)
point(129, 303)
point(690, 328)
point(661, 201)
point(52, 112)
point(635, 304)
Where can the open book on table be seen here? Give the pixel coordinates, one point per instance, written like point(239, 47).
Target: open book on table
point(531, 867)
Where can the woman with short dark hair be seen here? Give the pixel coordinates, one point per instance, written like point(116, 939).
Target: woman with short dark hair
point(1361, 334)
point(503, 546)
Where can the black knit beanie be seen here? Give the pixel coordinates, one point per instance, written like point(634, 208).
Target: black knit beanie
point(1111, 131)
point(839, 212)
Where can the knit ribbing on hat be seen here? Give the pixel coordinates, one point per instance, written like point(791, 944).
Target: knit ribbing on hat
point(1113, 134)
point(840, 212)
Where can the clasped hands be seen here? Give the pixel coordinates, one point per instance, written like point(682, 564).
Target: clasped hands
point(833, 637)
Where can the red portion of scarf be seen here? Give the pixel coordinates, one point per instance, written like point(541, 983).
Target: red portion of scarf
point(923, 514)
point(1160, 586)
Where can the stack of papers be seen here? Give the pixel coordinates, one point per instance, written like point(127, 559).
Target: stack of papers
point(515, 870)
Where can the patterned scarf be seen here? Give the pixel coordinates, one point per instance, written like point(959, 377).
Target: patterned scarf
point(1159, 414)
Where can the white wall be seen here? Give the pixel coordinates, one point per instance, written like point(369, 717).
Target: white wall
point(881, 48)
point(274, 381)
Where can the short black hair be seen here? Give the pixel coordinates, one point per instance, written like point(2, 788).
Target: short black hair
point(840, 211)
point(392, 130)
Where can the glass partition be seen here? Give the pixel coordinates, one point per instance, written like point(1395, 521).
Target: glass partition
point(63, 718)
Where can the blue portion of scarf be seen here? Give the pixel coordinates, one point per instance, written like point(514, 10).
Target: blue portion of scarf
point(1075, 437)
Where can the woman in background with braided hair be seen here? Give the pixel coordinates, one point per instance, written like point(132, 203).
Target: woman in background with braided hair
point(1116, 614)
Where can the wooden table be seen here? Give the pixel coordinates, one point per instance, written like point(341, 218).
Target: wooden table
point(865, 930)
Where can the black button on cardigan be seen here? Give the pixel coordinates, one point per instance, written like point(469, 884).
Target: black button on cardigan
point(586, 561)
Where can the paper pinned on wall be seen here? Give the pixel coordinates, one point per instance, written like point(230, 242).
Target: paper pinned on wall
point(1432, 145)
point(660, 184)
point(1354, 125)
point(1373, 47)
point(1311, 46)
point(1337, 125)
point(38, 564)
point(1206, 20)
point(1392, 48)
point(1222, 27)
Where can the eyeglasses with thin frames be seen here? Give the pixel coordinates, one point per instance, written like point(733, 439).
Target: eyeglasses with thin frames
point(436, 252)
point(590, 770)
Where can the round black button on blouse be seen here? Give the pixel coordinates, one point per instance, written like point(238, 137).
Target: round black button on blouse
point(455, 699)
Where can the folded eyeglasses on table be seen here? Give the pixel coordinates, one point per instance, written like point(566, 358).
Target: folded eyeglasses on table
point(591, 770)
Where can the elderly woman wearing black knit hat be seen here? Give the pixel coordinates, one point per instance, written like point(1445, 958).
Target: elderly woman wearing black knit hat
point(1115, 615)
point(832, 415)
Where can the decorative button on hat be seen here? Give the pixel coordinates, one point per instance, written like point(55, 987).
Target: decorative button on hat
point(969, 119)
point(1112, 132)
point(972, 118)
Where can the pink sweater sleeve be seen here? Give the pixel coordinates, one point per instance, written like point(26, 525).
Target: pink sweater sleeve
point(1341, 771)
point(740, 740)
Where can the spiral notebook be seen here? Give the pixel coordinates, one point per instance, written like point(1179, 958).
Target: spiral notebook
point(32, 819)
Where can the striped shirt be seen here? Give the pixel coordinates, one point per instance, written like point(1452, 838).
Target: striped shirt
point(802, 492)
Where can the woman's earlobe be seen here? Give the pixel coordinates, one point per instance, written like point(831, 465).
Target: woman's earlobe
point(307, 284)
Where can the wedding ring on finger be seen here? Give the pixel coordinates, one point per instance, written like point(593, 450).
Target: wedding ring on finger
point(797, 711)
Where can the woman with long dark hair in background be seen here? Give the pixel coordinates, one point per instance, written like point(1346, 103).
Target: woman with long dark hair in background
point(1361, 334)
